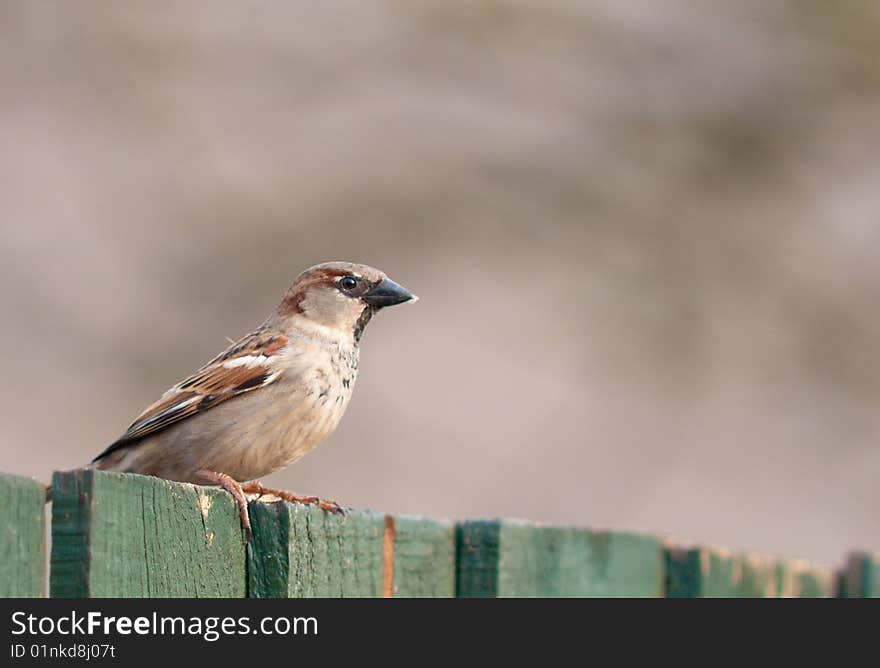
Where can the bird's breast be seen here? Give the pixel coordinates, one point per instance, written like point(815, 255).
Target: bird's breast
point(311, 399)
point(328, 382)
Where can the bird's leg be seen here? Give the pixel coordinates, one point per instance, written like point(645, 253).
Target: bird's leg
point(256, 487)
point(237, 492)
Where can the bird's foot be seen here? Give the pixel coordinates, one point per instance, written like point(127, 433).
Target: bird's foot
point(237, 492)
point(256, 487)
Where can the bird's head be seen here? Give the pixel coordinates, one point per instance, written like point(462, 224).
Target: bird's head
point(341, 295)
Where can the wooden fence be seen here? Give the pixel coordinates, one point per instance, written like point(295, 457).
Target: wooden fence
point(116, 535)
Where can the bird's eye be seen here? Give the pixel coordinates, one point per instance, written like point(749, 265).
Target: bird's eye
point(348, 283)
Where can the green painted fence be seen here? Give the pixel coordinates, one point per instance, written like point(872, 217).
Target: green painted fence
point(22, 537)
point(704, 573)
point(301, 551)
point(116, 535)
point(508, 558)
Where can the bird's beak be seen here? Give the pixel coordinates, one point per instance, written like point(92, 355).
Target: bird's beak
point(388, 293)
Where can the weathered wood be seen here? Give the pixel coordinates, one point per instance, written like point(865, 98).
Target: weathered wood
point(424, 558)
point(301, 551)
point(502, 558)
point(125, 535)
point(705, 573)
point(861, 576)
point(122, 535)
point(22, 537)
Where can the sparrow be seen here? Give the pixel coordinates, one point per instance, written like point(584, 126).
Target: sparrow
point(268, 399)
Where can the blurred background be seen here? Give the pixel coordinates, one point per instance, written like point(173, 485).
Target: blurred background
point(645, 241)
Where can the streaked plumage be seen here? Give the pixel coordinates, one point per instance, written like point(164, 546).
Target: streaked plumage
point(248, 364)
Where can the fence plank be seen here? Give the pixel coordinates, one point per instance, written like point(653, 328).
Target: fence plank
point(301, 552)
point(705, 573)
point(123, 535)
point(511, 558)
point(424, 558)
point(22, 537)
point(861, 576)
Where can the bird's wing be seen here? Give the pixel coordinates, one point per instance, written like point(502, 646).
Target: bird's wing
point(248, 364)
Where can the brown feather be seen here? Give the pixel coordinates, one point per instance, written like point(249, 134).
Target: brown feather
point(210, 385)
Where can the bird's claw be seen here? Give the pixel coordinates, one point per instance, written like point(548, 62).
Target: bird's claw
point(328, 505)
point(331, 506)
